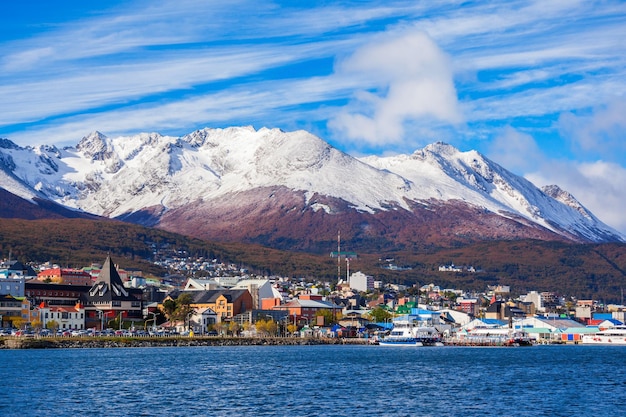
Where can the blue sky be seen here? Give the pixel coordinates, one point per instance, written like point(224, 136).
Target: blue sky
point(537, 86)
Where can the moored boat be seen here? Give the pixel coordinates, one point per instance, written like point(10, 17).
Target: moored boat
point(613, 336)
point(408, 331)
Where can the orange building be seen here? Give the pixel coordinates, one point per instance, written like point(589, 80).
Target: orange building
point(65, 276)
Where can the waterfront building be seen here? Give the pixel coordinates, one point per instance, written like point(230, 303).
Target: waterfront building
point(14, 311)
point(108, 298)
point(259, 289)
point(55, 294)
point(225, 303)
point(307, 306)
point(70, 318)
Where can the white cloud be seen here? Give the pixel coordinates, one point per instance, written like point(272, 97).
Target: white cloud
point(598, 185)
point(516, 151)
point(599, 134)
point(405, 77)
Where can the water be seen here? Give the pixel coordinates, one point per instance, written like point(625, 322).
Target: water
point(338, 380)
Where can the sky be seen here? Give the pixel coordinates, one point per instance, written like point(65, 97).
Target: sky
point(537, 86)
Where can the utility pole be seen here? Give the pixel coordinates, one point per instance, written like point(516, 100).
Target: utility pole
point(339, 255)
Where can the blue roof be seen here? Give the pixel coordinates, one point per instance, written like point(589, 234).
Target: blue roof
point(602, 316)
point(422, 312)
point(494, 321)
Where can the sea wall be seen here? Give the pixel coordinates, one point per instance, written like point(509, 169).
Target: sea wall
point(113, 342)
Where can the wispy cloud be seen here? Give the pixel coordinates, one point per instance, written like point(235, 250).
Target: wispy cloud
point(514, 78)
point(409, 77)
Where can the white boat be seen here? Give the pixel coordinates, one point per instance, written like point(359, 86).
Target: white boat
point(494, 337)
point(613, 336)
point(408, 331)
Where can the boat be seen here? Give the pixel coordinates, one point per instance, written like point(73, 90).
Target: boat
point(518, 338)
point(493, 337)
point(408, 331)
point(612, 336)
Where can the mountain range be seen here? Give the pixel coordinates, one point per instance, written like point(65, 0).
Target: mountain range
point(290, 190)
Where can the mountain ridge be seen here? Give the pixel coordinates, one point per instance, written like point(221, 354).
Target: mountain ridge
point(289, 188)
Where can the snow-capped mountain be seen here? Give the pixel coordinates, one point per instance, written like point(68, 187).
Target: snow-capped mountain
point(292, 189)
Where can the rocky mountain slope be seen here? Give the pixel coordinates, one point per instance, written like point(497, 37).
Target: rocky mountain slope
point(292, 190)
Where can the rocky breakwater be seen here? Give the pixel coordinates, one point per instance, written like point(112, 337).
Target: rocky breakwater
point(115, 342)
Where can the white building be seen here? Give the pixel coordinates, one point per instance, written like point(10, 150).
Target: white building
point(361, 282)
point(259, 289)
point(197, 284)
point(201, 320)
point(66, 317)
point(535, 298)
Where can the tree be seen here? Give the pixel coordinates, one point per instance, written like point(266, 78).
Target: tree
point(183, 307)
point(234, 328)
point(37, 325)
point(52, 325)
point(168, 308)
point(292, 328)
point(329, 316)
point(18, 322)
point(379, 314)
point(223, 328)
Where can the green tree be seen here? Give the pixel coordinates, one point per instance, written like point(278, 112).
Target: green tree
point(183, 307)
point(168, 308)
point(379, 314)
point(329, 316)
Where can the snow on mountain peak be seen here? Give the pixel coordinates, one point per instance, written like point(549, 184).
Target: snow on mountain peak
point(115, 177)
point(566, 198)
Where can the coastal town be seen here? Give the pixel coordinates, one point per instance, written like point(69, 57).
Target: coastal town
point(205, 298)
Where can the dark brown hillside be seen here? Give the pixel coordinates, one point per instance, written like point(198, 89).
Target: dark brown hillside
point(79, 242)
point(583, 270)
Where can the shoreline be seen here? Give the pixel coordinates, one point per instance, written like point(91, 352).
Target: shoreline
point(117, 342)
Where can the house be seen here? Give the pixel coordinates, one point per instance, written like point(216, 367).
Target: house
point(67, 276)
point(202, 319)
point(455, 317)
point(13, 311)
point(225, 303)
point(469, 305)
point(502, 311)
point(65, 317)
point(13, 275)
point(307, 306)
point(108, 298)
point(197, 284)
point(260, 289)
point(553, 328)
point(353, 320)
point(483, 324)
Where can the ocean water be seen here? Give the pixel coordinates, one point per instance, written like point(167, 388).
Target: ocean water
point(336, 380)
